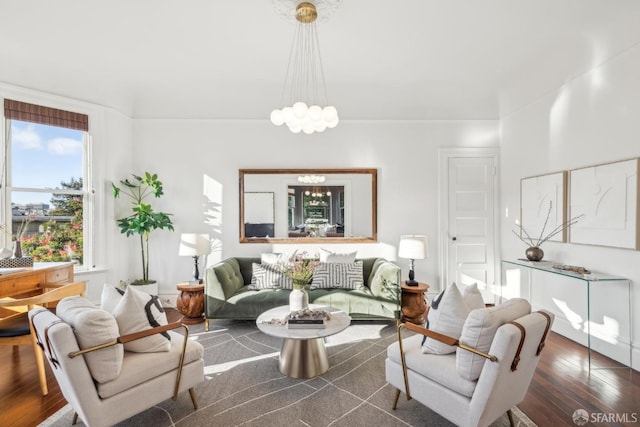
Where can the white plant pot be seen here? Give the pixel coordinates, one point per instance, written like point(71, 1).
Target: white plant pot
point(298, 300)
point(151, 288)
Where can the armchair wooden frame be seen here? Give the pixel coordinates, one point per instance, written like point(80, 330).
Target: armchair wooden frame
point(50, 293)
point(439, 337)
point(163, 374)
point(137, 335)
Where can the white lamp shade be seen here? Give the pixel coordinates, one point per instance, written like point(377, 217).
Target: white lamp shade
point(193, 244)
point(413, 247)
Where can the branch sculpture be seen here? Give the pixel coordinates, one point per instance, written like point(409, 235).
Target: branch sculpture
point(531, 242)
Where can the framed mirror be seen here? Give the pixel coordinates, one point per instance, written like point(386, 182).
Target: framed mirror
point(314, 205)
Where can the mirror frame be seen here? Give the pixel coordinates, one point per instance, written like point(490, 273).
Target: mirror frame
point(374, 206)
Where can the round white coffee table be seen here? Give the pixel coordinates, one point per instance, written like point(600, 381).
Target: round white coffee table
point(303, 354)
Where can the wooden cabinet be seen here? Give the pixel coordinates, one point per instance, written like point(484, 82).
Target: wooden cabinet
point(32, 280)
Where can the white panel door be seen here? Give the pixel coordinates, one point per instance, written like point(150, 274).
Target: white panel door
point(471, 223)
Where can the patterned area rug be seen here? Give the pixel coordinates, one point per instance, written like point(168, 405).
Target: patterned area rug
point(243, 386)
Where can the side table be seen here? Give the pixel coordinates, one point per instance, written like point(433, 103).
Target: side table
point(414, 303)
point(190, 303)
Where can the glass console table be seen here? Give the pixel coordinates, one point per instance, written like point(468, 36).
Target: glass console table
point(596, 304)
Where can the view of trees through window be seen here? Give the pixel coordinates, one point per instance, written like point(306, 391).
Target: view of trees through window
point(46, 191)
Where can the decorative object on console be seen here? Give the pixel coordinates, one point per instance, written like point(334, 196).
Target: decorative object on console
point(413, 247)
point(534, 252)
point(25, 261)
point(144, 219)
point(194, 245)
point(572, 268)
point(5, 253)
point(304, 81)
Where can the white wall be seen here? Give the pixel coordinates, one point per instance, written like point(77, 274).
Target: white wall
point(194, 157)
point(586, 118)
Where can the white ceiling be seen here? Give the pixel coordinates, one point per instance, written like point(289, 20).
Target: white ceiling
point(226, 59)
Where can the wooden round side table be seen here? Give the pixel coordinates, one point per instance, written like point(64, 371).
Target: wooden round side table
point(414, 303)
point(190, 303)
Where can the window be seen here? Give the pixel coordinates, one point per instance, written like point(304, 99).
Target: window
point(45, 193)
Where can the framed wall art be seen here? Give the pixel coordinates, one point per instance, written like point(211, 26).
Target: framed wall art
point(543, 205)
point(607, 198)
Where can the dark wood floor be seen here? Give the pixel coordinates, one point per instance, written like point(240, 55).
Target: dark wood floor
point(562, 384)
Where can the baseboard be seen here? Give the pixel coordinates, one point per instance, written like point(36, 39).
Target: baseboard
point(168, 300)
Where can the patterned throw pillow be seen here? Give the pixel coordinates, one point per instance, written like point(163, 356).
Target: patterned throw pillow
point(266, 276)
point(139, 311)
point(338, 275)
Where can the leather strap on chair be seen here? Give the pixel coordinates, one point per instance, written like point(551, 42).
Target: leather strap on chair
point(546, 330)
point(523, 334)
point(49, 350)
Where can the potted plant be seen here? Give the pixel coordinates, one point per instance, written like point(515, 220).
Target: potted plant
point(144, 219)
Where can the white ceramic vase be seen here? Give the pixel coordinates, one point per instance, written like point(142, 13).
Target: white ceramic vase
point(298, 300)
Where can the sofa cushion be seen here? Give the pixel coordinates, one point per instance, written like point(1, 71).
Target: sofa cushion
point(268, 276)
point(436, 367)
point(447, 315)
point(338, 275)
point(229, 276)
point(273, 258)
point(93, 326)
point(139, 311)
point(478, 331)
point(141, 367)
point(335, 257)
point(384, 280)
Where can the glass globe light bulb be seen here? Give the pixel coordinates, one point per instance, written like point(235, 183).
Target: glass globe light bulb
point(287, 113)
point(300, 109)
point(277, 118)
point(330, 113)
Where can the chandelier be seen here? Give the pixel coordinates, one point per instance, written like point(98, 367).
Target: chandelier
point(304, 87)
point(311, 179)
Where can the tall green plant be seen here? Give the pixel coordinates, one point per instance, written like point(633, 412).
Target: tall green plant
point(144, 219)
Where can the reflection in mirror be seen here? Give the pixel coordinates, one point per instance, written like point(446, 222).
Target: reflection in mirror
point(285, 205)
point(316, 211)
point(259, 218)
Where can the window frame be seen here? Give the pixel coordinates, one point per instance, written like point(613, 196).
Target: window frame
point(87, 192)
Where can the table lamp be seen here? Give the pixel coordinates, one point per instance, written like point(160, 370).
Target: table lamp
point(413, 247)
point(194, 245)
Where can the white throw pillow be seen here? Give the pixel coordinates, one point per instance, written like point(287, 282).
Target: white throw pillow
point(273, 259)
point(139, 311)
point(267, 276)
point(334, 257)
point(472, 296)
point(446, 316)
point(111, 296)
point(93, 326)
point(478, 331)
point(338, 275)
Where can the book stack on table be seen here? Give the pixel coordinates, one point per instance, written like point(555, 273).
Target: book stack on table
point(305, 323)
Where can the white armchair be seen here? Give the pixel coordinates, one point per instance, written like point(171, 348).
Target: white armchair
point(487, 375)
point(106, 384)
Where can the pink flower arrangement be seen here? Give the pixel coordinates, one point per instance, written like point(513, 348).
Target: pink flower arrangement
point(300, 269)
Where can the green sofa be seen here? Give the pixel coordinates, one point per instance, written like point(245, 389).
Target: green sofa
point(227, 295)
